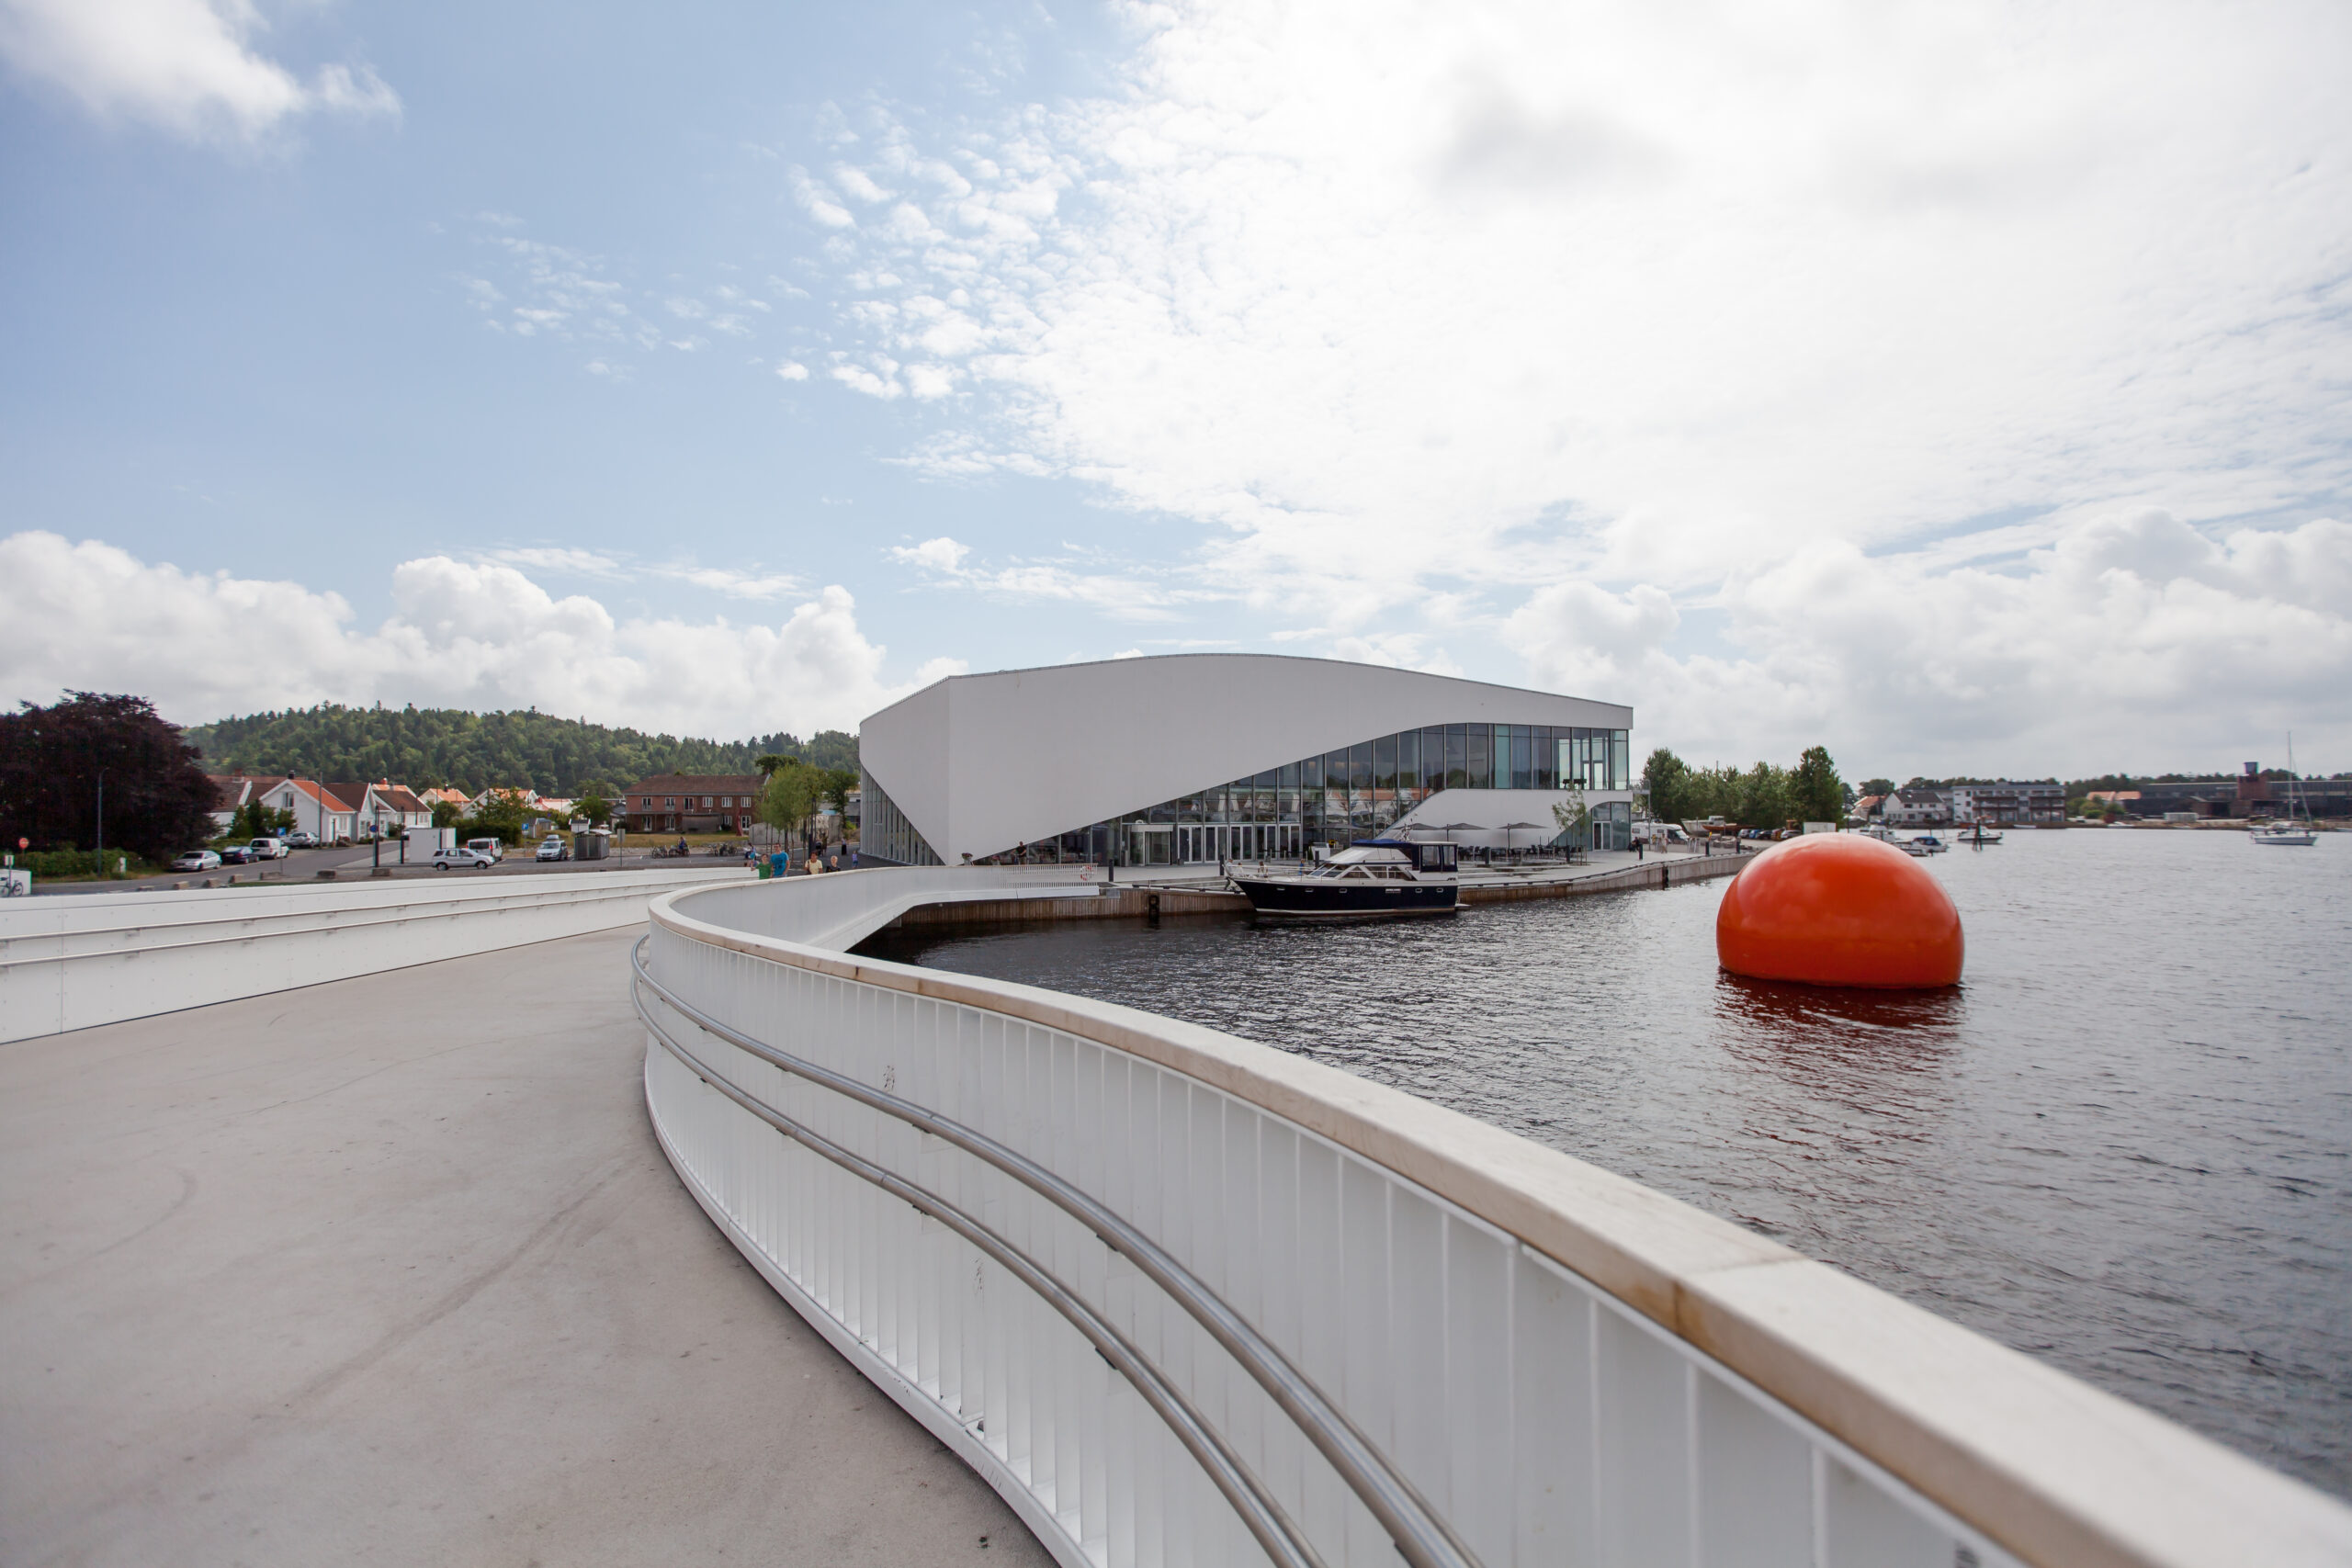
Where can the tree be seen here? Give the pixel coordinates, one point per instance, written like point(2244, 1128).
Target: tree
point(254, 820)
point(158, 801)
point(768, 765)
point(839, 782)
point(1762, 794)
point(1571, 814)
point(1815, 791)
point(498, 814)
point(833, 750)
point(1876, 787)
point(446, 813)
point(474, 751)
point(593, 808)
point(790, 795)
point(1667, 777)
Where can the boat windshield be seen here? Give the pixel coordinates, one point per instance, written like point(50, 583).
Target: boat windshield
point(1365, 854)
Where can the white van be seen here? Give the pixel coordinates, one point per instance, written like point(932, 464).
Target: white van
point(490, 849)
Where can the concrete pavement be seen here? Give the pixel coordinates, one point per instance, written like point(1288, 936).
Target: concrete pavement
point(392, 1269)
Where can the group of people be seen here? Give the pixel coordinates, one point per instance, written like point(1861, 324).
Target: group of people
point(818, 859)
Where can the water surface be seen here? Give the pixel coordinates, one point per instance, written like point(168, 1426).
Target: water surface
point(2123, 1145)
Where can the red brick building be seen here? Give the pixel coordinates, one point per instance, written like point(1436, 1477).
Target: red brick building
point(690, 803)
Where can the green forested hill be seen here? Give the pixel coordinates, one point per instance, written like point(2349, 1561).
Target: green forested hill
point(426, 747)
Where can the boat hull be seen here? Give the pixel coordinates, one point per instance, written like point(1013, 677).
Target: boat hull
point(1334, 900)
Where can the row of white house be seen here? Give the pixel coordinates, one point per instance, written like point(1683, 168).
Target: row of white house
point(333, 812)
point(339, 812)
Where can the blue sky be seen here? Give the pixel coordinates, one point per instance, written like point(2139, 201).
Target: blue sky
point(1965, 391)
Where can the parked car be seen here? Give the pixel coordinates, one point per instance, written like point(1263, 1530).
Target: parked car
point(198, 859)
point(300, 841)
point(267, 849)
point(492, 848)
point(238, 854)
point(469, 856)
point(552, 848)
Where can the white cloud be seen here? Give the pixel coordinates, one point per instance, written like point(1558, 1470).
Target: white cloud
point(942, 555)
point(561, 559)
point(1419, 312)
point(2133, 642)
point(474, 635)
point(819, 203)
point(185, 65)
point(1127, 596)
point(792, 370)
point(857, 378)
point(737, 584)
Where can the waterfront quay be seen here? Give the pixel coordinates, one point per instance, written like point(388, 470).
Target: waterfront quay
point(1151, 892)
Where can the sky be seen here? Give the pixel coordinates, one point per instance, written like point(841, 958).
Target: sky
point(1967, 389)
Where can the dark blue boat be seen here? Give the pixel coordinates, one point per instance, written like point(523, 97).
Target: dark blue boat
point(1375, 877)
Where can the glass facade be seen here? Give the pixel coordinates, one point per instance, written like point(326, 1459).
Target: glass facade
point(883, 833)
point(1351, 791)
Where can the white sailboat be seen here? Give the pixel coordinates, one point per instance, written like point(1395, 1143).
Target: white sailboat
point(2288, 834)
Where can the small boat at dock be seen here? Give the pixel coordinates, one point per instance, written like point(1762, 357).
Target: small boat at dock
point(1374, 878)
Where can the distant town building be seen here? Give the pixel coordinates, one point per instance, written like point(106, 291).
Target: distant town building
point(1868, 806)
point(233, 792)
point(383, 809)
point(1919, 807)
point(316, 809)
point(2248, 794)
point(690, 803)
point(2008, 802)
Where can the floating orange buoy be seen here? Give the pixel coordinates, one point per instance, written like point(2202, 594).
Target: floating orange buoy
point(1839, 910)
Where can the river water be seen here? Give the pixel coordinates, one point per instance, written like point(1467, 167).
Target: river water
point(2123, 1145)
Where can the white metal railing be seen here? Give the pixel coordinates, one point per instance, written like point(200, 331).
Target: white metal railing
point(72, 961)
point(1186, 1299)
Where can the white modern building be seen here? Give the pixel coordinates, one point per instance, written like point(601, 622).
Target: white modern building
point(1201, 756)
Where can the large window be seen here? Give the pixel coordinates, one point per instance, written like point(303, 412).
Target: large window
point(1351, 792)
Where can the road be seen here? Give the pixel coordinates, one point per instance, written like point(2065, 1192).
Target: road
point(355, 860)
point(392, 1269)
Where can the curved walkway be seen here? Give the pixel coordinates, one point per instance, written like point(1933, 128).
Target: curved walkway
point(392, 1269)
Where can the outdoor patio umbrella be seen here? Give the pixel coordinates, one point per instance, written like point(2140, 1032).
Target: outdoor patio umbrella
point(1510, 828)
point(1453, 827)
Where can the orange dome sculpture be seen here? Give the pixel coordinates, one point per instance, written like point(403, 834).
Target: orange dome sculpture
point(1839, 910)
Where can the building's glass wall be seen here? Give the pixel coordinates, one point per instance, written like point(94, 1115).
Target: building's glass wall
point(884, 834)
point(1353, 791)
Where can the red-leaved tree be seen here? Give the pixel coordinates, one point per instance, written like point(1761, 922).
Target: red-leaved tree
point(158, 801)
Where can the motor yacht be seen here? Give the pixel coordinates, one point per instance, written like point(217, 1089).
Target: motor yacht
point(1374, 877)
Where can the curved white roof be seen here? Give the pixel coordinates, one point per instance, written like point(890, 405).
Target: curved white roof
point(979, 763)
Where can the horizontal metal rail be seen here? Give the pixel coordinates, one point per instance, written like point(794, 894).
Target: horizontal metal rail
point(1421, 1536)
point(1265, 1517)
point(411, 912)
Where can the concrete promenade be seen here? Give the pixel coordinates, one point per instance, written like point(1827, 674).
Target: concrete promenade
point(391, 1270)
